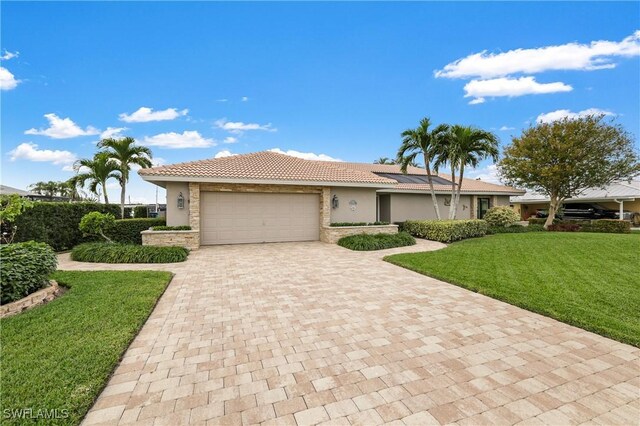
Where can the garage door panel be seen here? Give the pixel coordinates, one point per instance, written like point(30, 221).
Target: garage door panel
point(230, 217)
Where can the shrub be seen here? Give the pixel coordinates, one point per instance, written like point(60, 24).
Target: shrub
point(24, 269)
point(128, 213)
point(128, 230)
point(95, 223)
point(501, 216)
point(11, 207)
point(140, 212)
point(171, 228)
point(635, 219)
point(542, 220)
point(515, 229)
point(368, 242)
point(564, 227)
point(446, 231)
point(338, 224)
point(57, 223)
point(127, 253)
point(608, 225)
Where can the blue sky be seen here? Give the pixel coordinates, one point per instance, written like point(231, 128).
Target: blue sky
point(338, 79)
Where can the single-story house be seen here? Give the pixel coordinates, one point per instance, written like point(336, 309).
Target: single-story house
point(621, 196)
point(8, 190)
point(271, 197)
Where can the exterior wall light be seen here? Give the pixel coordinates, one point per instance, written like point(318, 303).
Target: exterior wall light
point(180, 201)
point(334, 201)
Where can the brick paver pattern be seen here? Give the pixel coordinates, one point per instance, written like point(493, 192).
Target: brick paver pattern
point(311, 333)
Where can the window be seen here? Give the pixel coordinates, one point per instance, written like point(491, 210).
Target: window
point(484, 204)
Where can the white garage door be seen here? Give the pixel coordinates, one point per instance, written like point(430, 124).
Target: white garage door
point(240, 217)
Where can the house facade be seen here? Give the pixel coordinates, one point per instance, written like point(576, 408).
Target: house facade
point(271, 197)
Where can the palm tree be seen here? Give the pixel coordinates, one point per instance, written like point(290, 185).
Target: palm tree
point(126, 153)
point(465, 146)
point(384, 160)
point(49, 189)
point(425, 142)
point(98, 170)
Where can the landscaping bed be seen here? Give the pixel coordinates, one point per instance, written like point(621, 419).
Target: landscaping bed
point(368, 242)
point(588, 280)
point(59, 356)
point(127, 253)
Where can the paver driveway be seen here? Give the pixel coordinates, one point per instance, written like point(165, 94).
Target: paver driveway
point(306, 333)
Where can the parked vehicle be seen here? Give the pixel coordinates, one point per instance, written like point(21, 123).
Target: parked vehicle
point(585, 211)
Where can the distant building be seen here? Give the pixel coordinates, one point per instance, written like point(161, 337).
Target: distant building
point(622, 195)
point(8, 190)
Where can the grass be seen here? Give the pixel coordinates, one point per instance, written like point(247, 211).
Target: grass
point(368, 242)
point(127, 253)
point(60, 355)
point(588, 280)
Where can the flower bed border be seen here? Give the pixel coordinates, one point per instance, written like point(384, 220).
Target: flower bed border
point(40, 297)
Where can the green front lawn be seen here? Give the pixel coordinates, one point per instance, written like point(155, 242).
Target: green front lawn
point(59, 356)
point(588, 280)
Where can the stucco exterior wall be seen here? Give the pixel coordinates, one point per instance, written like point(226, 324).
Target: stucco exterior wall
point(364, 209)
point(501, 200)
point(176, 216)
point(419, 206)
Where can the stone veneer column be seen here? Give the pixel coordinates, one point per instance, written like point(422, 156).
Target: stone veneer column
point(194, 205)
point(325, 207)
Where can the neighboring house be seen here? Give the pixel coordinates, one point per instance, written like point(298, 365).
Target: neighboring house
point(621, 196)
point(270, 197)
point(7, 190)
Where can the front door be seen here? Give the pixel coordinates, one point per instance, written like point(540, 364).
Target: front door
point(483, 206)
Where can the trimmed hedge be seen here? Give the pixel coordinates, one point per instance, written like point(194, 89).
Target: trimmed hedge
point(612, 226)
point(56, 224)
point(446, 231)
point(339, 224)
point(515, 229)
point(127, 253)
point(128, 230)
point(368, 242)
point(171, 228)
point(501, 216)
point(542, 220)
point(564, 227)
point(25, 268)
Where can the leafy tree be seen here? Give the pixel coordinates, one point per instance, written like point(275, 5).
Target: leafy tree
point(50, 189)
point(424, 142)
point(95, 223)
point(563, 158)
point(97, 171)
point(126, 153)
point(465, 146)
point(11, 207)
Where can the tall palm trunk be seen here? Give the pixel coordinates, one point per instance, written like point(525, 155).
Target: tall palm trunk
point(453, 192)
point(123, 185)
point(104, 189)
point(457, 200)
point(433, 192)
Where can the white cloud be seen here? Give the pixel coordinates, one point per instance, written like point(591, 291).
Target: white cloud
point(173, 140)
point(565, 113)
point(244, 98)
point(485, 174)
point(62, 128)
point(29, 151)
point(224, 153)
point(222, 100)
point(305, 155)
point(7, 80)
point(238, 127)
point(477, 101)
point(506, 128)
point(571, 56)
point(9, 55)
point(112, 132)
point(230, 139)
point(145, 114)
point(512, 87)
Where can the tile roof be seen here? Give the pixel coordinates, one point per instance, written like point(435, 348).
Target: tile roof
point(621, 189)
point(267, 165)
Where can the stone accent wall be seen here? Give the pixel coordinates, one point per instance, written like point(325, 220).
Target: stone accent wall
point(186, 239)
point(45, 295)
point(194, 205)
point(325, 209)
point(331, 234)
